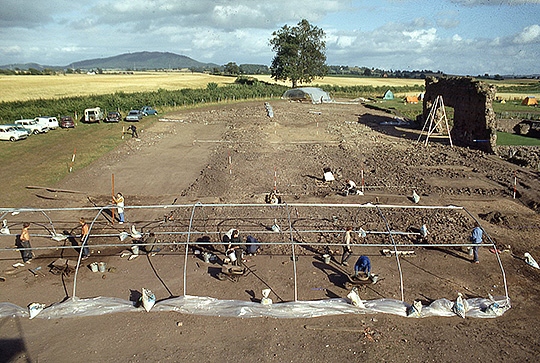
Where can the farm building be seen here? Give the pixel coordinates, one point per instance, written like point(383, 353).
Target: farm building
point(411, 99)
point(388, 95)
point(313, 94)
point(529, 101)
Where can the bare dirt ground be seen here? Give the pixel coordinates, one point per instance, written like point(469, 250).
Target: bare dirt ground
point(188, 161)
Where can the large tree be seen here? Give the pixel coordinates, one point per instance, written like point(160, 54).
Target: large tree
point(300, 53)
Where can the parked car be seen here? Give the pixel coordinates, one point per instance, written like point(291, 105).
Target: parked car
point(66, 122)
point(10, 133)
point(93, 115)
point(148, 111)
point(28, 132)
point(134, 115)
point(113, 116)
point(32, 125)
point(50, 122)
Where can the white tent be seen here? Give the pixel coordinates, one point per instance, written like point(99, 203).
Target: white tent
point(314, 94)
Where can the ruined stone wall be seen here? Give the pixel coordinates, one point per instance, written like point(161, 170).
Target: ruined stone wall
point(472, 101)
point(528, 156)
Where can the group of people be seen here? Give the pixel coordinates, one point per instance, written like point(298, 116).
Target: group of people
point(363, 264)
point(23, 240)
point(26, 248)
point(232, 238)
point(235, 252)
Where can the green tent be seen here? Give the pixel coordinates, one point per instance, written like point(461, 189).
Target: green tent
point(388, 95)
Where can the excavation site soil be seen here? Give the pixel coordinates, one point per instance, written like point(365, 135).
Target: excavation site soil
point(235, 154)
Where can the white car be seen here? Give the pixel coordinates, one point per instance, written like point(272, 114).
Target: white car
point(11, 133)
point(32, 125)
point(21, 128)
point(50, 122)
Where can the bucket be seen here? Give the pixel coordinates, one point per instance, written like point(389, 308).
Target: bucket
point(94, 267)
point(232, 255)
point(206, 257)
point(327, 258)
point(102, 266)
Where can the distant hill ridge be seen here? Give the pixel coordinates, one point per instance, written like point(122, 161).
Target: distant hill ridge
point(139, 60)
point(133, 61)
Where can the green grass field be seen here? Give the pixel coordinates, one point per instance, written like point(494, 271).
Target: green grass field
point(45, 159)
point(504, 138)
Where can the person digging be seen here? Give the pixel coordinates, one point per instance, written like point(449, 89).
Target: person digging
point(362, 265)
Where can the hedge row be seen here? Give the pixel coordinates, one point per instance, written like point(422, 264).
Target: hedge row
point(10, 111)
point(369, 91)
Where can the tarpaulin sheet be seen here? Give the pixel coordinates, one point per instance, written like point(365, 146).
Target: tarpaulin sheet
point(198, 305)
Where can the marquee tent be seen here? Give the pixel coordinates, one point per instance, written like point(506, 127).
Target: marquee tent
point(313, 94)
point(411, 99)
point(529, 101)
point(388, 95)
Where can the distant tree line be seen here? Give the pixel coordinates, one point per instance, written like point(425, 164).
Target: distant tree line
point(46, 71)
point(377, 73)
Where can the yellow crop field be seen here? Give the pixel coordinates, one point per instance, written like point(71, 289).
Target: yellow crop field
point(516, 96)
point(20, 88)
point(353, 81)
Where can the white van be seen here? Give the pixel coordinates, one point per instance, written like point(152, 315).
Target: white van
point(93, 115)
point(50, 122)
point(10, 133)
point(32, 125)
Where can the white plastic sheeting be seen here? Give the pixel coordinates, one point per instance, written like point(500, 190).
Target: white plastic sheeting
point(478, 308)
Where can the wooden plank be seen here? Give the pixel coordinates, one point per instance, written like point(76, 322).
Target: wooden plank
point(55, 189)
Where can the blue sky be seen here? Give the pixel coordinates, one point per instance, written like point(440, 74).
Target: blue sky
point(454, 36)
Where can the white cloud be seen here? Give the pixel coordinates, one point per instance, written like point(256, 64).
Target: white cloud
point(397, 46)
point(424, 37)
point(224, 14)
point(448, 22)
point(12, 50)
point(530, 34)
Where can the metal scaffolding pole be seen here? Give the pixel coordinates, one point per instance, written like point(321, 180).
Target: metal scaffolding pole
point(416, 245)
point(496, 253)
point(397, 257)
point(165, 206)
point(171, 233)
point(187, 246)
point(293, 254)
point(83, 244)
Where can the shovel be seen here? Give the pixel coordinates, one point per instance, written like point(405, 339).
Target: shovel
point(34, 271)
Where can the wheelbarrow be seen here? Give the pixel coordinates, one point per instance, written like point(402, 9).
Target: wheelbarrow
point(232, 272)
point(360, 280)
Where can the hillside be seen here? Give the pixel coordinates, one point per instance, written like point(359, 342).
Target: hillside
point(133, 61)
point(142, 60)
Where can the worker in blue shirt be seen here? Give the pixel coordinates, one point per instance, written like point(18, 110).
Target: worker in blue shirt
point(363, 265)
point(476, 238)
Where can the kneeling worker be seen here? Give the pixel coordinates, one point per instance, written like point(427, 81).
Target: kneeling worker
point(363, 265)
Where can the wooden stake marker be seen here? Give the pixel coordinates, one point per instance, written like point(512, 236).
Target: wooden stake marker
point(72, 160)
